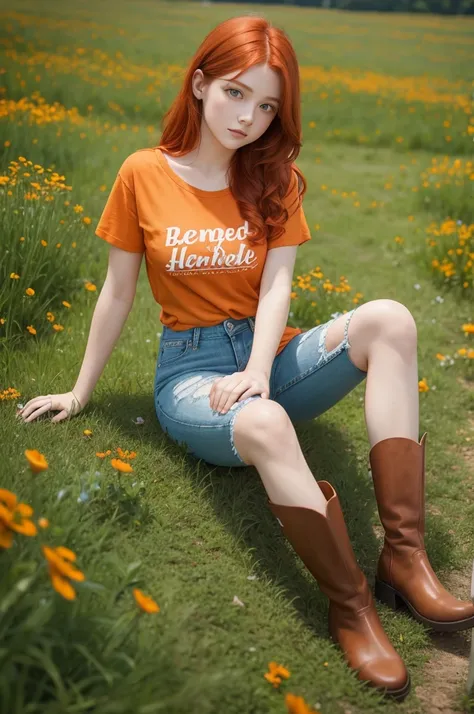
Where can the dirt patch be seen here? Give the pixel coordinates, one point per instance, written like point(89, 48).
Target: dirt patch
point(445, 675)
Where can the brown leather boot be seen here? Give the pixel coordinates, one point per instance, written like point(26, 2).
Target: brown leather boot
point(404, 574)
point(323, 545)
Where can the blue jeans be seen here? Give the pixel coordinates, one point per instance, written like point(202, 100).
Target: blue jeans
point(305, 380)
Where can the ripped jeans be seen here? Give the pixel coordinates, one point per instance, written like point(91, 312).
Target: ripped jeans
point(305, 380)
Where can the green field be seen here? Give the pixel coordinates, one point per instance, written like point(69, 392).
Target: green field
point(388, 129)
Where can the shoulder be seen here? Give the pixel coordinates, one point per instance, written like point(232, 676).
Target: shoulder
point(136, 163)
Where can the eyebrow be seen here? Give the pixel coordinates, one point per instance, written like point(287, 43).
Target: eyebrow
point(236, 81)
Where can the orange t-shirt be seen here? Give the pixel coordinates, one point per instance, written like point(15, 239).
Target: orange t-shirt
point(200, 265)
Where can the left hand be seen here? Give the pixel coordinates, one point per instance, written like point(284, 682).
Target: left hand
point(238, 386)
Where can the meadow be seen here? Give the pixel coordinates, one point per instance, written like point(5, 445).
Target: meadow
point(133, 578)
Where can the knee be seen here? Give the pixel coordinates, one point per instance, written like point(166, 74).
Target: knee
point(394, 320)
point(263, 422)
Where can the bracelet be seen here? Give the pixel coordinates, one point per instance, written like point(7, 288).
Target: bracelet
point(80, 407)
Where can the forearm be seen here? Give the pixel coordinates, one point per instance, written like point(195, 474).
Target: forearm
point(107, 322)
point(270, 322)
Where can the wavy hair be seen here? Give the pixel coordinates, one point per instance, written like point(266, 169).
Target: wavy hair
point(260, 173)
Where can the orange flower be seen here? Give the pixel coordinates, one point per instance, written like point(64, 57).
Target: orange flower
point(423, 385)
point(43, 523)
point(275, 674)
point(121, 466)
point(29, 291)
point(36, 460)
point(144, 602)
point(61, 571)
point(297, 705)
point(14, 516)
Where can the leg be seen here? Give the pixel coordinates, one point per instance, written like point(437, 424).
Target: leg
point(383, 339)
point(276, 454)
point(312, 520)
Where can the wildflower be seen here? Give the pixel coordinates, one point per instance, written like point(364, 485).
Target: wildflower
point(297, 705)
point(31, 329)
point(61, 571)
point(468, 328)
point(58, 328)
point(50, 317)
point(29, 291)
point(275, 674)
point(43, 522)
point(422, 385)
point(121, 466)
point(14, 516)
point(90, 286)
point(87, 432)
point(144, 602)
point(14, 276)
point(66, 304)
point(36, 460)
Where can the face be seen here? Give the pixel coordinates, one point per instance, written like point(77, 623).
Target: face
point(229, 105)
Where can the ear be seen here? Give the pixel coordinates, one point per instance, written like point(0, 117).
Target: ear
point(198, 83)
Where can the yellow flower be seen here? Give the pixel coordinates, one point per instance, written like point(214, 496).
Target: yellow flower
point(31, 329)
point(14, 516)
point(66, 304)
point(468, 328)
point(144, 602)
point(50, 317)
point(58, 328)
point(36, 460)
point(43, 523)
point(87, 432)
point(61, 571)
point(29, 291)
point(90, 286)
point(121, 466)
point(87, 220)
point(440, 356)
point(44, 243)
point(422, 385)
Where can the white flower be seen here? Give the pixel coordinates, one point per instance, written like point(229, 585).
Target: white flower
point(438, 298)
point(417, 286)
point(147, 340)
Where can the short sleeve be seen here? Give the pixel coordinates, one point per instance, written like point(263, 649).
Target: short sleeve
point(296, 228)
point(119, 224)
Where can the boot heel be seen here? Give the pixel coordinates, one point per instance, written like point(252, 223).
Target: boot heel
point(386, 594)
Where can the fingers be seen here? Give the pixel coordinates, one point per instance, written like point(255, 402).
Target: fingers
point(59, 417)
point(34, 413)
point(34, 404)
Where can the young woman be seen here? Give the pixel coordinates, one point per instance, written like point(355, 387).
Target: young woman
point(216, 209)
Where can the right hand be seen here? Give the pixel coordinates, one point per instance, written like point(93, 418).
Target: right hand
point(66, 404)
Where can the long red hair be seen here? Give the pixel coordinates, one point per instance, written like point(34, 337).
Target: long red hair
point(260, 173)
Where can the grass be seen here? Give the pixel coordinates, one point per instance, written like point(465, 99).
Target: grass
point(199, 531)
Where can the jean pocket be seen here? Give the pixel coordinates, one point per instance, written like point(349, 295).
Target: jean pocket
point(172, 350)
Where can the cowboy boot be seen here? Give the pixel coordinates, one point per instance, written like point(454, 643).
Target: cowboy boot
point(404, 574)
point(323, 544)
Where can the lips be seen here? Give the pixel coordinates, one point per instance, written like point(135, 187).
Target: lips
point(237, 131)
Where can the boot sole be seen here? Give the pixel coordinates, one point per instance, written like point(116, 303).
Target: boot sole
point(397, 694)
point(394, 599)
